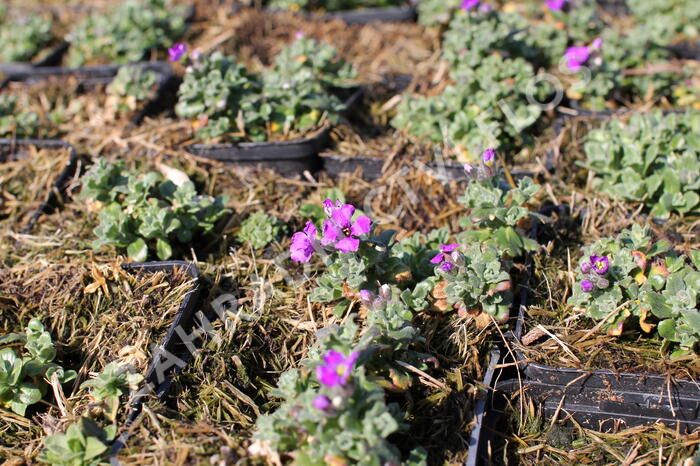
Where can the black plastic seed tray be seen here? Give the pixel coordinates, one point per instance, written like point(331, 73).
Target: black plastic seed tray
point(52, 58)
point(57, 194)
point(173, 352)
point(93, 76)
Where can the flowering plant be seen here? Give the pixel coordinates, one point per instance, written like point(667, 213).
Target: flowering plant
point(142, 211)
point(474, 281)
point(653, 159)
point(127, 32)
point(496, 210)
point(630, 275)
point(333, 410)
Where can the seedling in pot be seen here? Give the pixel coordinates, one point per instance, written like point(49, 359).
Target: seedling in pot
point(630, 276)
point(143, 212)
point(83, 444)
point(293, 99)
point(131, 87)
point(15, 122)
point(24, 379)
point(107, 386)
point(127, 32)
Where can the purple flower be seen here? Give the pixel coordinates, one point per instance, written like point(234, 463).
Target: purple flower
point(322, 402)
point(587, 286)
point(468, 169)
point(366, 295)
point(299, 35)
point(488, 157)
point(485, 8)
point(442, 258)
point(576, 57)
point(600, 264)
point(586, 267)
point(302, 247)
point(469, 4)
point(177, 52)
point(339, 230)
point(556, 5)
point(597, 44)
point(336, 368)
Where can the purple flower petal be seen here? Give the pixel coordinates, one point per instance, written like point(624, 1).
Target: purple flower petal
point(331, 233)
point(600, 264)
point(348, 244)
point(587, 286)
point(177, 51)
point(310, 230)
point(322, 402)
point(328, 207)
point(555, 5)
point(361, 226)
point(447, 267)
point(576, 57)
point(469, 4)
point(488, 157)
point(343, 216)
point(586, 267)
point(449, 247)
point(302, 247)
point(366, 295)
point(437, 259)
point(598, 43)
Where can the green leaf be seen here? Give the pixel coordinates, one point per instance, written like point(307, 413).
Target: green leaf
point(163, 249)
point(667, 330)
point(138, 250)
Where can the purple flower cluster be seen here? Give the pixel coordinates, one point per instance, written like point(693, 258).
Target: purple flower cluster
point(487, 168)
point(576, 57)
point(340, 231)
point(595, 269)
point(372, 301)
point(444, 258)
point(468, 5)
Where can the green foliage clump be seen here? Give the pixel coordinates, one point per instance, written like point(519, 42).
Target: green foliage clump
point(479, 281)
point(132, 85)
point(143, 212)
point(14, 122)
point(23, 379)
point(126, 33)
point(644, 280)
point(259, 230)
point(83, 444)
point(653, 159)
point(224, 100)
point(435, 12)
point(495, 210)
point(665, 20)
point(114, 381)
point(21, 39)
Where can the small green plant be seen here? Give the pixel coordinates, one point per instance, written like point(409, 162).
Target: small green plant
point(259, 230)
point(495, 209)
point(14, 122)
point(107, 386)
point(21, 39)
point(330, 5)
point(665, 20)
point(23, 379)
point(83, 444)
point(126, 33)
point(653, 159)
point(475, 281)
point(631, 276)
point(143, 212)
point(435, 12)
point(224, 100)
point(131, 86)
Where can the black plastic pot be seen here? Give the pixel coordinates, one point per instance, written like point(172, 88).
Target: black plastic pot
point(373, 15)
point(288, 157)
point(163, 368)
point(677, 400)
point(92, 76)
point(479, 451)
point(52, 58)
point(614, 7)
point(57, 194)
